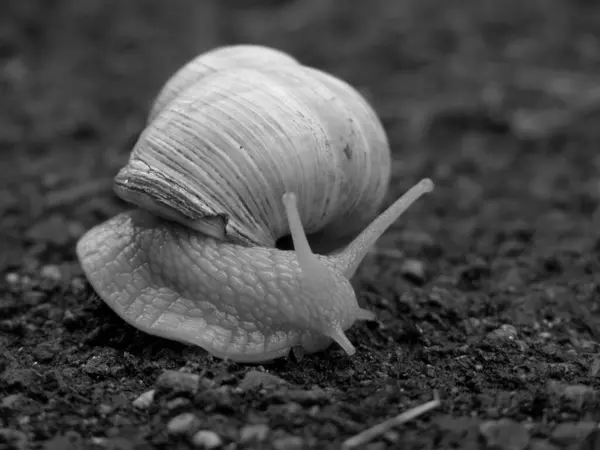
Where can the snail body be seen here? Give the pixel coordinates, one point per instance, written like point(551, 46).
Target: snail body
point(238, 153)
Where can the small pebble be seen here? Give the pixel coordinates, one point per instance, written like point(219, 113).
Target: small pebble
point(391, 436)
point(256, 379)
point(183, 423)
point(413, 270)
point(20, 377)
point(504, 434)
point(179, 381)
point(285, 409)
point(504, 332)
point(257, 432)
point(579, 393)
point(69, 440)
point(51, 272)
point(11, 401)
point(43, 352)
point(311, 396)
point(75, 229)
point(13, 438)
point(207, 439)
point(12, 278)
point(69, 319)
point(145, 400)
point(78, 285)
point(586, 345)
point(104, 409)
point(571, 353)
point(569, 433)
point(178, 402)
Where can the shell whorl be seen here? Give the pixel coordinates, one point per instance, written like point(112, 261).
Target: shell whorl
point(231, 132)
point(221, 58)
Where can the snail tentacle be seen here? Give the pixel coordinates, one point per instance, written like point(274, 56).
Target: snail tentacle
point(352, 255)
point(313, 269)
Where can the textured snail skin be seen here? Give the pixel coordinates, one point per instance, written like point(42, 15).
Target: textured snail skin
point(248, 304)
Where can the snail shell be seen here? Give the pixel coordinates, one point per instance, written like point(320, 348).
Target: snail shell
point(238, 127)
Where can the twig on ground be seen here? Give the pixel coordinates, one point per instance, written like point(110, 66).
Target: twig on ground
point(377, 430)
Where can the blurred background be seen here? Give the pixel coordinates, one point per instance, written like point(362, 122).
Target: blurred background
point(490, 287)
point(454, 81)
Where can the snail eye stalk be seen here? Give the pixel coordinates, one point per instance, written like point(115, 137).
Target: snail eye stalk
point(352, 255)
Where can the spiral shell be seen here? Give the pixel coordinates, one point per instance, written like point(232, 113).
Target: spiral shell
point(238, 127)
point(221, 58)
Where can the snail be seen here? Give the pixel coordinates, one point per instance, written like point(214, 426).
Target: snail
point(245, 145)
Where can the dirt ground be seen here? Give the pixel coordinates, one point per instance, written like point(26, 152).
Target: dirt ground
point(486, 292)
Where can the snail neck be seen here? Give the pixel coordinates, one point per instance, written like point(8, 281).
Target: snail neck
point(320, 281)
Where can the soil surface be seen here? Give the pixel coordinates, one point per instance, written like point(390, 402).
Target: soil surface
point(487, 291)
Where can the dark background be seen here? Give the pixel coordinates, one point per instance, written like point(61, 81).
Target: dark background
point(487, 290)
